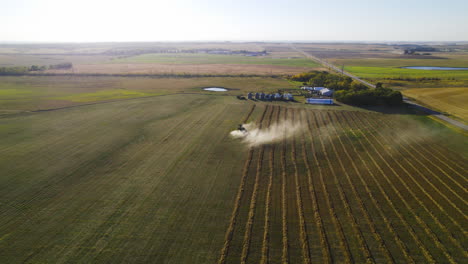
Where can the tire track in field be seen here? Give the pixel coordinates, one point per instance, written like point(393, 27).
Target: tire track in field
point(266, 226)
point(344, 199)
point(374, 200)
point(326, 254)
point(361, 204)
point(246, 119)
point(331, 209)
point(235, 212)
point(253, 200)
point(300, 209)
point(410, 229)
point(429, 182)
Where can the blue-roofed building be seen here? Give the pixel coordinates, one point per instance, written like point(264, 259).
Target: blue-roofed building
point(319, 101)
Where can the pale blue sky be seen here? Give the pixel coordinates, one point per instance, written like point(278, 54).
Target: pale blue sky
point(236, 20)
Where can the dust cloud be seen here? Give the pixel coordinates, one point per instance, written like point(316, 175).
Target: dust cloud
point(255, 136)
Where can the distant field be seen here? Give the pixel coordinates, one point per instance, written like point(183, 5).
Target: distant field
point(457, 61)
point(381, 63)
point(389, 72)
point(156, 58)
point(144, 170)
point(453, 101)
point(151, 68)
point(215, 59)
point(160, 180)
point(397, 77)
point(34, 93)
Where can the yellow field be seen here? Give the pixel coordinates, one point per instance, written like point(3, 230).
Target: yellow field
point(449, 100)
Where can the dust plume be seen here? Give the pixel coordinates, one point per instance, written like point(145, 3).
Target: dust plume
point(255, 136)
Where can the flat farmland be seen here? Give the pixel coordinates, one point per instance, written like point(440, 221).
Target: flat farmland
point(410, 78)
point(188, 58)
point(165, 68)
point(32, 93)
point(157, 58)
point(133, 181)
point(383, 63)
point(159, 179)
point(350, 188)
point(449, 100)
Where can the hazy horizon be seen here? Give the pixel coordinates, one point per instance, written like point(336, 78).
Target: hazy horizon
point(51, 21)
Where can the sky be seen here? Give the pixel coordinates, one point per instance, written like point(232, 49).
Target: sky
point(233, 20)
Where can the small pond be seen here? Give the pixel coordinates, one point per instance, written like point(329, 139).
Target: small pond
point(436, 68)
point(215, 89)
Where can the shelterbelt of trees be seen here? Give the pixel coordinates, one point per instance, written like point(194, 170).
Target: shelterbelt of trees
point(348, 90)
point(19, 70)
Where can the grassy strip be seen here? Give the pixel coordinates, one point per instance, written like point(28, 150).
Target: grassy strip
point(285, 253)
point(331, 209)
point(235, 212)
point(375, 201)
point(327, 258)
point(424, 226)
point(300, 209)
point(344, 199)
point(253, 200)
point(410, 190)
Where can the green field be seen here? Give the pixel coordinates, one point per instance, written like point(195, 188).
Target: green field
point(188, 58)
point(376, 73)
point(136, 170)
point(39, 93)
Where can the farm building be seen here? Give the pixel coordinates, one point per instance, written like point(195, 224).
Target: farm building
point(317, 89)
point(319, 101)
point(250, 95)
point(257, 96)
point(262, 96)
point(326, 92)
point(278, 96)
point(268, 97)
point(307, 88)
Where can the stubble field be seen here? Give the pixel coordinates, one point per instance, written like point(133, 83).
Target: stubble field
point(159, 179)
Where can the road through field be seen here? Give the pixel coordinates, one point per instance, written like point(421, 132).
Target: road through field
point(427, 110)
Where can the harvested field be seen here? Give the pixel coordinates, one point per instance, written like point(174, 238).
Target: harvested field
point(159, 179)
point(448, 100)
point(156, 68)
point(31, 93)
point(348, 189)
